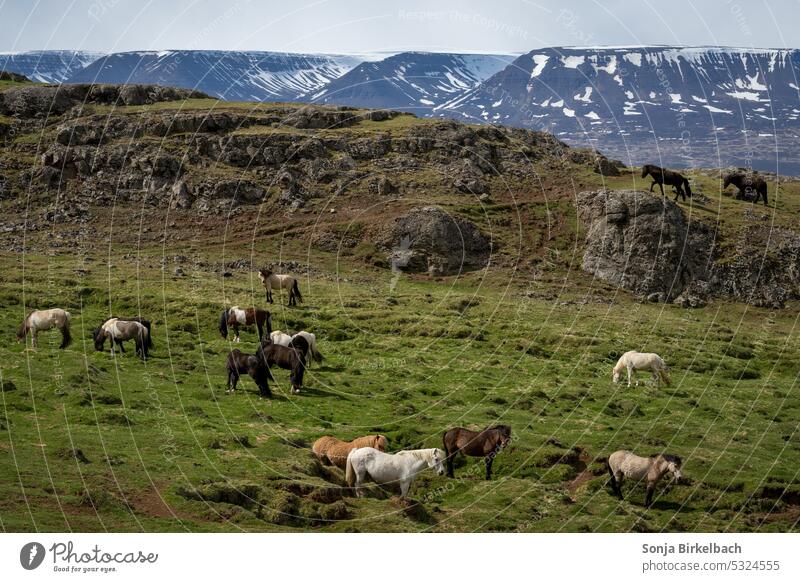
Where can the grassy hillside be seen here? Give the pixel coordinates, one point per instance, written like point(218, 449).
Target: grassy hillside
point(96, 443)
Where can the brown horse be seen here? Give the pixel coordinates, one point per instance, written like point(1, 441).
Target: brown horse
point(234, 317)
point(291, 359)
point(331, 451)
point(663, 176)
point(750, 186)
point(239, 362)
point(486, 443)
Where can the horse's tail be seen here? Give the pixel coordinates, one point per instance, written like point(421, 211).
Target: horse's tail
point(686, 186)
point(315, 353)
point(662, 372)
point(611, 474)
point(223, 324)
point(296, 291)
point(66, 337)
point(349, 471)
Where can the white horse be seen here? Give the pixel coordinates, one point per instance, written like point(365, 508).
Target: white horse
point(272, 280)
point(312, 344)
point(633, 361)
point(383, 468)
point(37, 321)
point(624, 464)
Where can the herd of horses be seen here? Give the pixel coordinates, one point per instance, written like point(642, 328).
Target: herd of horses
point(751, 186)
point(364, 457)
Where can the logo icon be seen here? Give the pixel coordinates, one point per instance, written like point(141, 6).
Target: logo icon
point(31, 555)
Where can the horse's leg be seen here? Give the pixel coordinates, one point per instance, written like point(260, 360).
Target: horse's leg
point(489, 460)
point(651, 186)
point(614, 486)
point(450, 456)
point(405, 485)
point(260, 326)
point(648, 500)
point(236, 337)
point(630, 373)
point(34, 341)
point(620, 476)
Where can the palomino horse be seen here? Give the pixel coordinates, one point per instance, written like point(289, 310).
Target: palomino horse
point(663, 176)
point(119, 331)
point(235, 316)
point(37, 321)
point(383, 468)
point(304, 341)
point(271, 354)
point(142, 320)
point(749, 185)
point(239, 362)
point(634, 360)
point(486, 443)
point(331, 451)
point(272, 280)
point(622, 464)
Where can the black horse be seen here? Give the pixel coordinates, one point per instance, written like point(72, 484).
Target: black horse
point(663, 176)
point(239, 362)
point(292, 359)
point(751, 186)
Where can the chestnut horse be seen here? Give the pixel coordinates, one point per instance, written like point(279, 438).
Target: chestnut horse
point(486, 443)
point(234, 317)
point(331, 451)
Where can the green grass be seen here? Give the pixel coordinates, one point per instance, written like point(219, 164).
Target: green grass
point(165, 446)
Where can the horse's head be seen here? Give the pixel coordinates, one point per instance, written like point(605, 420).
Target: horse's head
point(99, 336)
point(380, 442)
point(505, 435)
point(264, 274)
point(223, 324)
point(22, 331)
point(727, 181)
point(672, 465)
point(437, 461)
point(615, 376)
point(645, 170)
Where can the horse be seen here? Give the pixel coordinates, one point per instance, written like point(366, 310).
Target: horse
point(119, 331)
point(239, 362)
point(234, 317)
point(663, 176)
point(401, 467)
point(486, 443)
point(304, 341)
point(312, 344)
point(748, 184)
point(43, 320)
point(142, 320)
point(621, 464)
point(331, 451)
point(270, 280)
point(634, 360)
point(271, 354)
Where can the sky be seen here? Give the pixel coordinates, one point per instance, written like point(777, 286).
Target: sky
point(378, 26)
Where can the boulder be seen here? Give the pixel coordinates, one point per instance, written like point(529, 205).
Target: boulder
point(430, 240)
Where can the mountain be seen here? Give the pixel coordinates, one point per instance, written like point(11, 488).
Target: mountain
point(47, 66)
point(411, 81)
point(229, 75)
point(683, 106)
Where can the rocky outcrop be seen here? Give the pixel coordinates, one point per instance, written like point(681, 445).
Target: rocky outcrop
point(643, 243)
point(430, 240)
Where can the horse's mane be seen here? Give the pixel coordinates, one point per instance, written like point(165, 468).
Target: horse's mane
point(669, 458)
point(421, 454)
point(503, 428)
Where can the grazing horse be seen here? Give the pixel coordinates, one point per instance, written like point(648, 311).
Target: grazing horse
point(622, 464)
point(663, 176)
point(280, 338)
point(271, 354)
point(634, 360)
point(43, 320)
point(234, 317)
point(331, 451)
point(239, 362)
point(312, 344)
point(119, 331)
point(142, 320)
point(749, 185)
point(270, 280)
point(383, 468)
point(303, 341)
point(486, 443)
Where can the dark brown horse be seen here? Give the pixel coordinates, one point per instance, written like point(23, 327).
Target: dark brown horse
point(235, 316)
point(486, 443)
point(290, 359)
point(238, 363)
point(751, 186)
point(663, 176)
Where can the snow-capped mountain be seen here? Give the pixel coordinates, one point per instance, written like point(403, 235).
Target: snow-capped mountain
point(621, 98)
point(411, 81)
point(230, 75)
point(47, 66)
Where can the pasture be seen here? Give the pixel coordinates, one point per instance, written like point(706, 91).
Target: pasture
point(93, 443)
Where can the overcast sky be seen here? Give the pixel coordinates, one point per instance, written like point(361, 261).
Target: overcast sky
point(370, 26)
